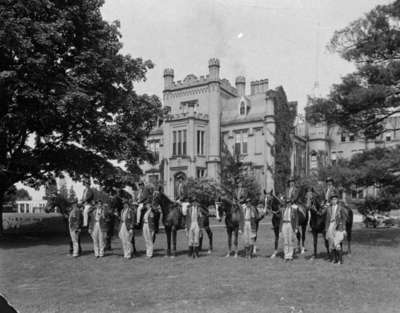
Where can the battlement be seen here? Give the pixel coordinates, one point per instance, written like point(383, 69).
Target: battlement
point(169, 72)
point(192, 114)
point(213, 62)
point(259, 86)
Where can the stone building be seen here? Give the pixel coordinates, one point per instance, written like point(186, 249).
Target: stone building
point(327, 144)
point(204, 113)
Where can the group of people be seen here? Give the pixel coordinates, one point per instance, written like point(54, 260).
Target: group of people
point(99, 219)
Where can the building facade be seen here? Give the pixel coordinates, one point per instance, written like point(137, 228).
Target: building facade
point(326, 144)
point(206, 113)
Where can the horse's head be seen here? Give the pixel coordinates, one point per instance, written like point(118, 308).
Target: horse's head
point(219, 209)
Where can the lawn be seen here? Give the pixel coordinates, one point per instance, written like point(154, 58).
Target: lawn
point(36, 275)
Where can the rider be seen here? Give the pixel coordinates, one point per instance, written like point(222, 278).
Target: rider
point(142, 196)
point(330, 189)
point(193, 227)
point(248, 225)
point(288, 227)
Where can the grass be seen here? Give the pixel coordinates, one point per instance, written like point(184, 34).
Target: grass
point(36, 275)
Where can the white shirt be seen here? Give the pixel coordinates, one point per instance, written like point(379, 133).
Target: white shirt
point(334, 210)
point(287, 215)
point(194, 214)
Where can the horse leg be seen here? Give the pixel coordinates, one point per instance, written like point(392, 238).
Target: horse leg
point(298, 236)
point(174, 232)
point(315, 243)
point(303, 237)
point(210, 239)
point(276, 233)
point(229, 233)
point(255, 240)
point(236, 241)
point(168, 233)
point(201, 241)
point(326, 245)
point(349, 241)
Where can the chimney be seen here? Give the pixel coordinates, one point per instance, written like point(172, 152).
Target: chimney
point(241, 85)
point(259, 86)
point(168, 78)
point(213, 68)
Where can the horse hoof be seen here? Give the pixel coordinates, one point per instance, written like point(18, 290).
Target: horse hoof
point(172, 256)
point(209, 252)
point(303, 251)
point(273, 256)
point(228, 255)
point(236, 255)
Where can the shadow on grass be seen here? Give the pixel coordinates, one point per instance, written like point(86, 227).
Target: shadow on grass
point(387, 237)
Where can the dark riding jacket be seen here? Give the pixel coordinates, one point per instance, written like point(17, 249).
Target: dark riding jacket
point(340, 218)
point(254, 218)
point(294, 218)
point(130, 219)
point(75, 219)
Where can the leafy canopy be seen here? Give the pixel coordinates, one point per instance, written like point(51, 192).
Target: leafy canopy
point(367, 97)
point(67, 95)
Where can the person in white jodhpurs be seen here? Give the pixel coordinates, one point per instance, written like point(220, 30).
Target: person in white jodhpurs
point(98, 228)
point(127, 224)
point(86, 201)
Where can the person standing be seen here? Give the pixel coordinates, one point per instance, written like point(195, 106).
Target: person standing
point(293, 192)
point(143, 196)
point(193, 216)
point(205, 228)
point(248, 226)
point(330, 189)
point(75, 227)
point(288, 227)
point(335, 226)
point(98, 228)
point(87, 198)
point(127, 223)
point(148, 228)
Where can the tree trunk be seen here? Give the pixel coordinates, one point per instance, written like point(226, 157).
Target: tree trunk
point(1, 213)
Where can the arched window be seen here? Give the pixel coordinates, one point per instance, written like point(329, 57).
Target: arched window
point(242, 108)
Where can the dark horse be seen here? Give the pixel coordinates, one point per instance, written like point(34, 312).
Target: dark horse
point(317, 220)
point(173, 220)
point(274, 206)
point(232, 221)
point(318, 210)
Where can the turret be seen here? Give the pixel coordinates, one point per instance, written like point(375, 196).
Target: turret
point(240, 84)
point(213, 68)
point(168, 78)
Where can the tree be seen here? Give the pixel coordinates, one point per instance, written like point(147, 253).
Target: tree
point(67, 96)
point(235, 179)
point(22, 194)
point(72, 194)
point(285, 114)
point(205, 190)
point(63, 192)
point(364, 100)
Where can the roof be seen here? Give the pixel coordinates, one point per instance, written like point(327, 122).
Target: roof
point(231, 114)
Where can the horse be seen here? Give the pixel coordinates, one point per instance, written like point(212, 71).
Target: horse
point(317, 211)
point(275, 204)
point(172, 218)
point(232, 222)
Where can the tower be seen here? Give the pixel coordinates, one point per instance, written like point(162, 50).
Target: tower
point(214, 112)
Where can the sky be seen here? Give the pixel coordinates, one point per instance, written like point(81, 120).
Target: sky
point(282, 40)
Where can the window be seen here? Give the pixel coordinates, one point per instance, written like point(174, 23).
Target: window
point(351, 138)
point(155, 149)
point(258, 138)
point(200, 172)
point(342, 138)
point(242, 108)
point(200, 142)
point(179, 139)
point(388, 138)
point(241, 138)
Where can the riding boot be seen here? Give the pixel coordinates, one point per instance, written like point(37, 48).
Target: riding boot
point(340, 254)
point(190, 251)
point(335, 256)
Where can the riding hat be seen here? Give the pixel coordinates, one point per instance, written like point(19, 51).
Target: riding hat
point(334, 195)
